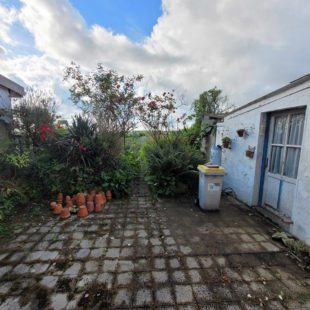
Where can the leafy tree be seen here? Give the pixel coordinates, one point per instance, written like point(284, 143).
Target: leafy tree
point(37, 107)
point(108, 97)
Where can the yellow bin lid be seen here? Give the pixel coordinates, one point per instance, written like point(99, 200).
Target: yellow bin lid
point(211, 169)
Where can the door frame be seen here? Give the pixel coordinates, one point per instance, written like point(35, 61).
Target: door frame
point(266, 153)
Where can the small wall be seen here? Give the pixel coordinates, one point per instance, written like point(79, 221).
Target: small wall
point(243, 173)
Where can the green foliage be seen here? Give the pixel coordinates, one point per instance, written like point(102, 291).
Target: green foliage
point(120, 179)
point(168, 162)
point(226, 139)
point(11, 195)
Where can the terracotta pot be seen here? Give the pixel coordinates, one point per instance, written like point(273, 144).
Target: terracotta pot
point(226, 144)
point(82, 211)
point(57, 209)
point(109, 195)
point(90, 206)
point(68, 198)
point(98, 199)
point(69, 204)
point(93, 192)
point(53, 204)
point(60, 197)
point(99, 207)
point(80, 199)
point(90, 198)
point(65, 213)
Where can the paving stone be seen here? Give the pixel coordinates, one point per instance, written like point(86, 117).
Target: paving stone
point(125, 265)
point(174, 263)
point(101, 243)
point(223, 292)
point(232, 307)
point(82, 253)
point(16, 257)
point(49, 281)
point(86, 279)
point(5, 287)
point(185, 249)
point(159, 263)
point(78, 235)
point(122, 297)
point(115, 243)
point(164, 296)
point(2, 256)
point(258, 237)
point(128, 242)
point(143, 297)
point(246, 238)
point(169, 241)
point(172, 249)
point(113, 252)
point(232, 274)
point(56, 245)
point(269, 246)
point(178, 276)
point(249, 275)
point(107, 278)
point(97, 253)
point(265, 273)
point(184, 294)
point(21, 269)
point(59, 301)
point(221, 261)
point(109, 265)
point(155, 241)
point(74, 269)
point(93, 228)
point(124, 278)
point(202, 293)
point(49, 255)
point(240, 289)
point(158, 250)
point(86, 244)
point(166, 232)
point(12, 303)
point(142, 242)
point(191, 262)
point(194, 276)
point(128, 233)
point(144, 277)
point(35, 255)
point(91, 266)
point(127, 252)
point(160, 276)
point(39, 268)
point(141, 233)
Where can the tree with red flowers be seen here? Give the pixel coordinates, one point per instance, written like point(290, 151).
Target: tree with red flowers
point(108, 97)
point(156, 112)
point(37, 107)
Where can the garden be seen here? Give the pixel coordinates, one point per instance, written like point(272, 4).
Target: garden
point(99, 149)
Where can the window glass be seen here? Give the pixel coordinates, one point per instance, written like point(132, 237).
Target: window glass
point(296, 129)
point(292, 161)
point(279, 130)
point(276, 159)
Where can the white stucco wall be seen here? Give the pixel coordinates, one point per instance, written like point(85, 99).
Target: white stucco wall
point(243, 173)
point(5, 101)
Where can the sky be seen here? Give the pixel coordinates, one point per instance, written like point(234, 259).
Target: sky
point(245, 47)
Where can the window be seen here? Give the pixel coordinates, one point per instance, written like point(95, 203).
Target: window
point(287, 133)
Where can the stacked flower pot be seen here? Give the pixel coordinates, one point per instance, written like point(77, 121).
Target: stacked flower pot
point(82, 203)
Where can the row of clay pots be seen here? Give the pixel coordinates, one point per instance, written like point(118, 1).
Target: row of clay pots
point(79, 199)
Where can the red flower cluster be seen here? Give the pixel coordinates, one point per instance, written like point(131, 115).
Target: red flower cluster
point(81, 147)
point(59, 127)
point(43, 129)
point(152, 105)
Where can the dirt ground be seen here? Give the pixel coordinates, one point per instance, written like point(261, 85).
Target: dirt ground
point(138, 254)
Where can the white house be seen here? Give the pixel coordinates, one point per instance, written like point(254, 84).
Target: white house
point(269, 166)
point(8, 90)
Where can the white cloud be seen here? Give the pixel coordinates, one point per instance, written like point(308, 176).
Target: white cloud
point(246, 47)
point(7, 17)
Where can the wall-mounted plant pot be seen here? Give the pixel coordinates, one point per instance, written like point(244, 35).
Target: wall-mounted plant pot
point(109, 195)
point(226, 144)
point(241, 132)
point(69, 204)
point(90, 206)
point(53, 205)
point(58, 209)
point(98, 207)
point(60, 198)
point(249, 154)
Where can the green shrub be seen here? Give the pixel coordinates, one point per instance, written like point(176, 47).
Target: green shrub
point(169, 161)
point(120, 179)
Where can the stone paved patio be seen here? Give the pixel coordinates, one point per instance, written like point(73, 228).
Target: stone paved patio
point(136, 255)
